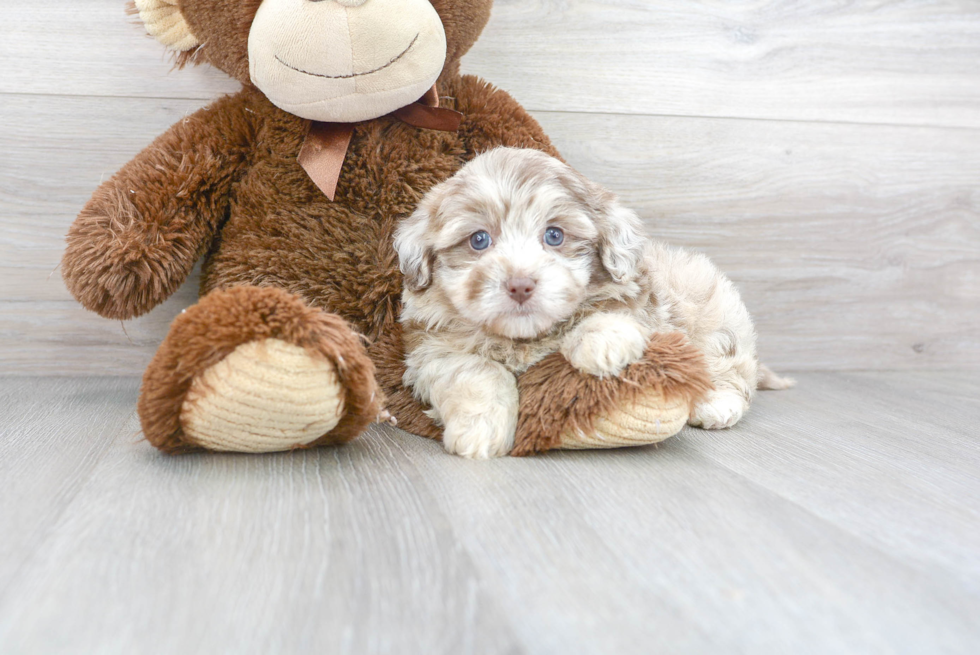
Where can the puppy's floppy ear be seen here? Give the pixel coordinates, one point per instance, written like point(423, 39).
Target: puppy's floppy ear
point(413, 245)
point(621, 242)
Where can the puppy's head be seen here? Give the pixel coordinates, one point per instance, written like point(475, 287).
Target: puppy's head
point(516, 242)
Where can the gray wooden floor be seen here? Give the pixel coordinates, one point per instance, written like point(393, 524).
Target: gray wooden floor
point(841, 516)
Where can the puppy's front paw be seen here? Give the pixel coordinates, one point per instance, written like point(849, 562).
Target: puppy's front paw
point(721, 409)
point(480, 436)
point(606, 346)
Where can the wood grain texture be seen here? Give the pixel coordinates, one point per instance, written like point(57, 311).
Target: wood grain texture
point(887, 61)
point(913, 62)
point(56, 151)
point(862, 437)
point(331, 551)
point(842, 516)
point(53, 434)
point(92, 47)
point(855, 246)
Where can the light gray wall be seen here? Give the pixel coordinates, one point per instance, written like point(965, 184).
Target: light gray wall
point(825, 154)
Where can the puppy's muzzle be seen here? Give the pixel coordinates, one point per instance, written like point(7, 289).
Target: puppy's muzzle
point(520, 289)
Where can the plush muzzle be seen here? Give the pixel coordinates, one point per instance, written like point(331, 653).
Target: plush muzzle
point(345, 60)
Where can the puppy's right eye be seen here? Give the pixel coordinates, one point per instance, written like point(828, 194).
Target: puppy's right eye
point(554, 236)
point(480, 240)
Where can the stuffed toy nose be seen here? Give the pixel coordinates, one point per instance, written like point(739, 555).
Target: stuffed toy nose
point(520, 288)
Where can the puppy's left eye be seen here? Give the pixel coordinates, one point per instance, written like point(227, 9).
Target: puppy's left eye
point(480, 240)
point(554, 236)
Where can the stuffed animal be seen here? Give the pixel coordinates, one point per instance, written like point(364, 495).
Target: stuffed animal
point(291, 190)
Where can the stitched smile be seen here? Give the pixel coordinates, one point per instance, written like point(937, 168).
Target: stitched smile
point(344, 77)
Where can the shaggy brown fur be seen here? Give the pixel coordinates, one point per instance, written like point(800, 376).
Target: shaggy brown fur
point(388, 356)
point(140, 234)
point(223, 320)
point(225, 182)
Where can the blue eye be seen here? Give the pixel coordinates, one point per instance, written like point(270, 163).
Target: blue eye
point(480, 240)
point(553, 236)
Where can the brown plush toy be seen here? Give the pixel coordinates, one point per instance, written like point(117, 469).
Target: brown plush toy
point(295, 341)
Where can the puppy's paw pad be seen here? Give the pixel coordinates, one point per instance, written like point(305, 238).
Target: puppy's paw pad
point(607, 351)
point(479, 437)
point(720, 410)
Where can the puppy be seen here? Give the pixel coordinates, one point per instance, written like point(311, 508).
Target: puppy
point(518, 256)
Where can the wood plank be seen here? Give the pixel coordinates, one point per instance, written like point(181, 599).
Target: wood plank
point(806, 528)
point(92, 47)
point(58, 150)
point(888, 457)
point(62, 338)
point(840, 516)
point(882, 62)
point(53, 433)
point(855, 246)
point(333, 551)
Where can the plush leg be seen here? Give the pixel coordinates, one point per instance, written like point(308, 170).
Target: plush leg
point(561, 407)
point(252, 369)
point(651, 400)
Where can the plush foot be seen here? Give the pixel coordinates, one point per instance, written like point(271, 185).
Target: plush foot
point(650, 401)
point(719, 409)
point(256, 370)
point(562, 407)
point(264, 396)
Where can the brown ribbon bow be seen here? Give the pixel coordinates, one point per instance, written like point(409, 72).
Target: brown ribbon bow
point(325, 146)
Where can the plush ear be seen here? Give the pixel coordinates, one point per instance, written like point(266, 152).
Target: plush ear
point(166, 24)
point(621, 243)
point(414, 248)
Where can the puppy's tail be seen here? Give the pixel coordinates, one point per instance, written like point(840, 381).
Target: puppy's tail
point(770, 381)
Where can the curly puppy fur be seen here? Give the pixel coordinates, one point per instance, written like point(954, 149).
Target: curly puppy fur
point(518, 257)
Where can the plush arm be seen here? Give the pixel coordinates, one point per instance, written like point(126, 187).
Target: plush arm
point(139, 235)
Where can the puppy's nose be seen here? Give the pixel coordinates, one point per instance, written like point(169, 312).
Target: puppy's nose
point(520, 288)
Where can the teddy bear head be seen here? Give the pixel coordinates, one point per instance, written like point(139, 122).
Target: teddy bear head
point(324, 60)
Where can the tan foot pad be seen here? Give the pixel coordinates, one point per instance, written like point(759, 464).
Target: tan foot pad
point(650, 419)
point(265, 396)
